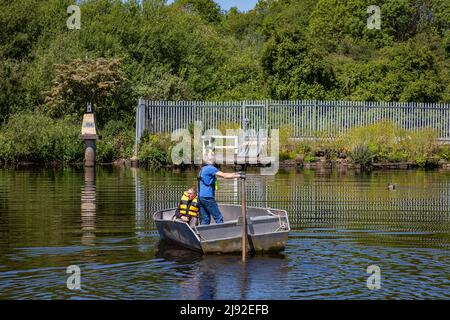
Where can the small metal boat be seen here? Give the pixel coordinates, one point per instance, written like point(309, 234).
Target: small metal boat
point(267, 230)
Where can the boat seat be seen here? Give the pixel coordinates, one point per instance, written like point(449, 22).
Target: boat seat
point(264, 218)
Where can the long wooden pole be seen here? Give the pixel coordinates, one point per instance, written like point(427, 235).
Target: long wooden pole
point(244, 221)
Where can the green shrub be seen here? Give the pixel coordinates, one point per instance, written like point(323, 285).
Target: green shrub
point(421, 161)
point(154, 151)
point(398, 156)
point(117, 142)
point(152, 156)
point(443, 153)
point(36, 137)
point(377, 137)
point(419, 145)
point(361, 155)
point(388, 142)
point(309, 158)
point(67, 143)
point(6, 151)
point(106, 152)
point(286, 155)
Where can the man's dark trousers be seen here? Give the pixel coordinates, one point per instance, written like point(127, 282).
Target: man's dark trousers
point(208, 208)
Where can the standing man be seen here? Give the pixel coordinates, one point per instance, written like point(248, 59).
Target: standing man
point(207, 187)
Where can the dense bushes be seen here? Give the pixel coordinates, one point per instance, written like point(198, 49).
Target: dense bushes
point(117, 142)
point(309, 49)
point(34, 137)
point(387, 142)
point(155, 150)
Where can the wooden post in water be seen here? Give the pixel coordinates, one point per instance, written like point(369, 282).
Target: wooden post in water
point(90, 135)
point(244, 221)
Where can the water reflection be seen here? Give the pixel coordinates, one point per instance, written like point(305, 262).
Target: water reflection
point(323, 197)
point(343, 222)
point(208, 277)
point(88, 207)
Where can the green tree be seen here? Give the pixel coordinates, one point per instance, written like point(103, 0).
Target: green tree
point(294, 69)
point(206, 9)
point(11, 85)
point(240, 77)
point(99, 81)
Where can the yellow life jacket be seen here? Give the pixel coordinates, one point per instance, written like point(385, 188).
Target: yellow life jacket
point(192, 210)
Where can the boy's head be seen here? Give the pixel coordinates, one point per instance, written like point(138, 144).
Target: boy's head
point(191, 193)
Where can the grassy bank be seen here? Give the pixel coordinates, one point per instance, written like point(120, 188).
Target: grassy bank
point(380, 143)
point(38, 138)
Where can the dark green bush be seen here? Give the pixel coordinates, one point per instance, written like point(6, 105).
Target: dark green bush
point(154, 151)
point(67, 143)
point(105, 151)
point(117, 142)
point(34, 137)
point(286, 155)
point(444, 152)
point(362, 155)
point(421, 161)
point(152, 156)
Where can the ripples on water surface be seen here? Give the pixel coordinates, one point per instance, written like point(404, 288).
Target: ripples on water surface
point(343, 223)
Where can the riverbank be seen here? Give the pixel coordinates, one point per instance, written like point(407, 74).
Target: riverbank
point(56, 143)
point(322, 163)
point(319, 163)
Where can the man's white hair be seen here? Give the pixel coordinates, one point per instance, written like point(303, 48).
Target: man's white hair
point(210, 158)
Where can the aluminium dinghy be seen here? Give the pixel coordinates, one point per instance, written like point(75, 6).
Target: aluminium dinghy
point(267, 230)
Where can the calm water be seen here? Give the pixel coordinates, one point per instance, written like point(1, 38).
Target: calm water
point(342, 223)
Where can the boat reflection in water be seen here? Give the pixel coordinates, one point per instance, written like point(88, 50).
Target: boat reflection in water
point(207, 277)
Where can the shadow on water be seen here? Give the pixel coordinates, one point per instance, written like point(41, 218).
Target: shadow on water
point(207, 277)
point(172, 252)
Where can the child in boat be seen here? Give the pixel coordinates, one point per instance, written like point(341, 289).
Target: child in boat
point(188, 209)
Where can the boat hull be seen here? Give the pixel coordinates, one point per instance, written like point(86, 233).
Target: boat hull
point(180, 233)
point(275, 242)
point(267, 231)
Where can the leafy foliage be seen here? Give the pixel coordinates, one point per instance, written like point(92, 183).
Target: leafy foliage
point(117, 142)
point(98, 81)
point(191, 49)
point(362, 155)
point(154, 151)
point(38, 138)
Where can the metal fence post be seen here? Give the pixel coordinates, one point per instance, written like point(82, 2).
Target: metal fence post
point(138, 128)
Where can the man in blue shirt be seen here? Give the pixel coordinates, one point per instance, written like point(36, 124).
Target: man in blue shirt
point(207, 187)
